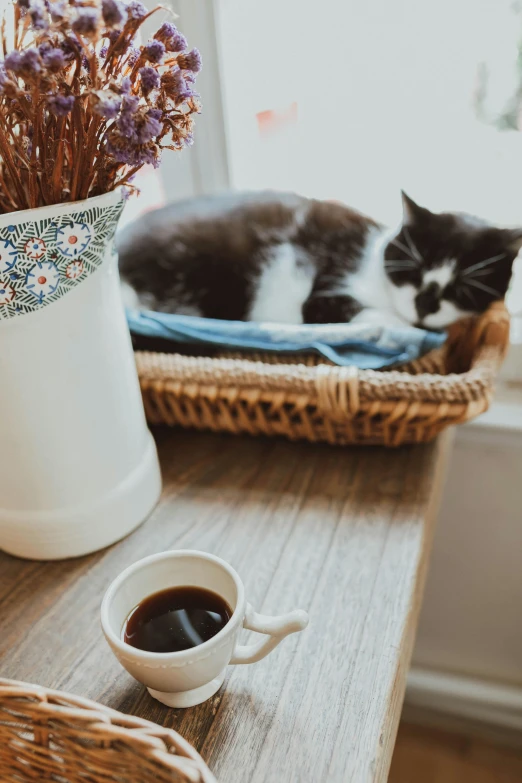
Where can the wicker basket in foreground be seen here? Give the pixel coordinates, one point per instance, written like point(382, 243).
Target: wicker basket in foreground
point(49, 735)
point(314, 400)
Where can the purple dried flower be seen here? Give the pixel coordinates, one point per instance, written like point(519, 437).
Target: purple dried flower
point(178, 43)
point(126, 84)
point(148, 127)
point(126, 122)
point(134, 53)
point(191, 61)
point(85, 62)
point(175, 86)
point(166, 31)
point(70, 48)
point(114, 35)
point(150, 79)
point(58, 10)
point(136, 10)
point(38, 13)
point(13, 61)
point(27, 64)
point(106, 103)
point(169, 35)
point(103, 52)
point(53, 59)
point(154, 51)
point(112, 12)
point(86, 23)
point(132, 154)
point(150, 156)
point(60, 105)
point(130, 104)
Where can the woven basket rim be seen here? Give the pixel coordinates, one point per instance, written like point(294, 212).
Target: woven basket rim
point(210, 372)
point(153, 740)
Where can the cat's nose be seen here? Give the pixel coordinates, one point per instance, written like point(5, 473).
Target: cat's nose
point(427, 300)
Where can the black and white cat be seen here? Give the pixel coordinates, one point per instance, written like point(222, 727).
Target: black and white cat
point(284, 258)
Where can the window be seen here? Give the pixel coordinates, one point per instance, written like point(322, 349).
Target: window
point(354, 101)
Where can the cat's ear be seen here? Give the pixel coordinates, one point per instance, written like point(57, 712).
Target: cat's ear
point(513, 239)
point(411, 212)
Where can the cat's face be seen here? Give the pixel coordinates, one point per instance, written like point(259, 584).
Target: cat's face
point(446, 266)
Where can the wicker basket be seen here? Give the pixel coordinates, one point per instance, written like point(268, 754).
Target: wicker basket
point(316, 401)
point(48, 735)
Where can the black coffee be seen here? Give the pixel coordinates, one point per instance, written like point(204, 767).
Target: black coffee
point(176, 619)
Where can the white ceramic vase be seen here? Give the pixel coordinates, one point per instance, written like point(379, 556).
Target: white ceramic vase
point(78, 468)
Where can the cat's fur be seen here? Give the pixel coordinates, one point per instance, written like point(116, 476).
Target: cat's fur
point(284, 258)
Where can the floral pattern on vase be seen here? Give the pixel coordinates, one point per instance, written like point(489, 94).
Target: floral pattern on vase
point(8, 255)
point(42, 259)
point(74, 269)
point(35, 248)
point(43, 279)
point(73, 238)
point(7, 293)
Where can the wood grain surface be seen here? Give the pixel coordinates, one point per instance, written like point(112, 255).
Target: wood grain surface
point(342, 533)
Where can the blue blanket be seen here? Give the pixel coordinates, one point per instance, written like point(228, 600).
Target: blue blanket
point(361, 345)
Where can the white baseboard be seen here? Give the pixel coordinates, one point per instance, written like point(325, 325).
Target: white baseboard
point(470, 699)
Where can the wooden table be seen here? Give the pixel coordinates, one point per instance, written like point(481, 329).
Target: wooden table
point(343, 533)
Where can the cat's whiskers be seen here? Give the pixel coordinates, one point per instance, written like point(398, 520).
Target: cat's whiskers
point(470, 294)
point(399, 268)
point(480, 273)
point(411, 244)
point(403, 248)
point(483, 287)
point(412, 258)
point(482, 264)
point(400, 262)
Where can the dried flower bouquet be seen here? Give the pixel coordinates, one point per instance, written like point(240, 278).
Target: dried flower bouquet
point(82, 106)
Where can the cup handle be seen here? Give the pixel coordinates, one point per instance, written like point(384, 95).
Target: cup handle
point(276, 629)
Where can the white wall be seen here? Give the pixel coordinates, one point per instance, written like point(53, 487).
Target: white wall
point(471, 622)
point(384, 100)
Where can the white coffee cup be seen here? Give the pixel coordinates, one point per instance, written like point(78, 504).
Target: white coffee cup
point(189, 677)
